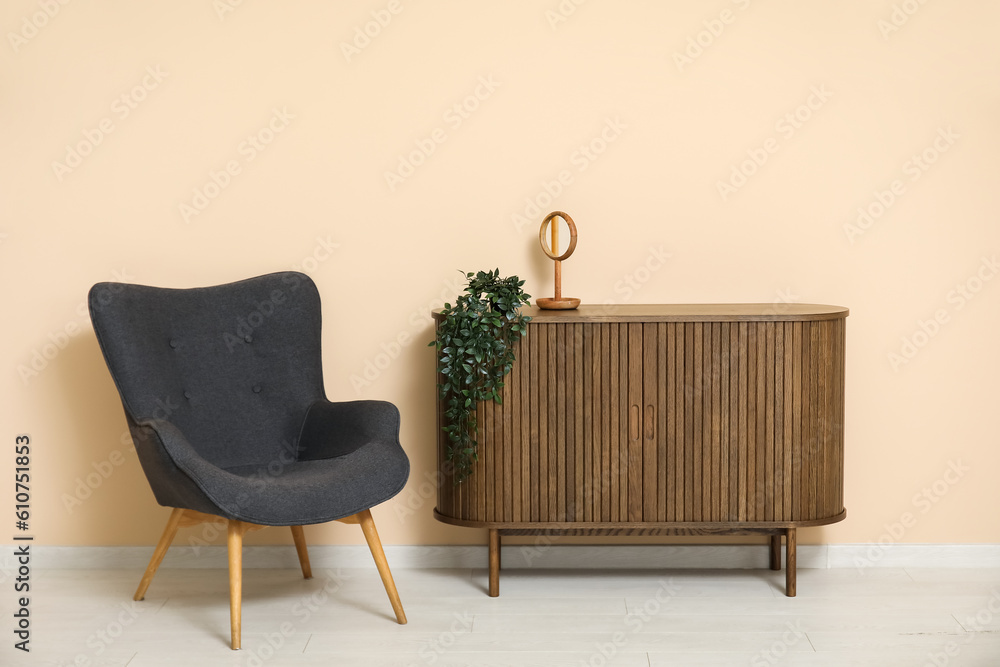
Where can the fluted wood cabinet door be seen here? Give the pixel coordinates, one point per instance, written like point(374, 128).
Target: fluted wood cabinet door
point(660, 417)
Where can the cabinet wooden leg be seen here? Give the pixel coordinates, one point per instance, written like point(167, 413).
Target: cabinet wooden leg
point(790, 563)
point(775, 552)
point(494, 563)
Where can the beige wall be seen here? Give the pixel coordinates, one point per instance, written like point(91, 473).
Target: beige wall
point(162, 95)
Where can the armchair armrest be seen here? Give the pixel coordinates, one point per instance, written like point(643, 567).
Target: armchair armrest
point(175, 470)
point(186, 479)
point(335, 429)
point(176, 445)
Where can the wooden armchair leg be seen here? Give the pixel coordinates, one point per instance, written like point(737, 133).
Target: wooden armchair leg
point(300, 547)
point(375, 545)
point(236, 530)
point(161, 550)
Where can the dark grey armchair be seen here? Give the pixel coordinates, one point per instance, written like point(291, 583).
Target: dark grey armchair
point(223, 393)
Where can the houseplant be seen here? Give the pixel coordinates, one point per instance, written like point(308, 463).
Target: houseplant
point(475, 345)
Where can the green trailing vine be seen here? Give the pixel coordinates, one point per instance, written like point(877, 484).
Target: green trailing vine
point(475, 345)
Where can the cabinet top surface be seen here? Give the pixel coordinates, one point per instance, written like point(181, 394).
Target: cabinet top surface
point(687, 312)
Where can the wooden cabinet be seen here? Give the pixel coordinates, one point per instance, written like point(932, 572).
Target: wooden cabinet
point(695, 419)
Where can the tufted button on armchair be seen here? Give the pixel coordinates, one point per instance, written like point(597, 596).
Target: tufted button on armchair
point(223, 394)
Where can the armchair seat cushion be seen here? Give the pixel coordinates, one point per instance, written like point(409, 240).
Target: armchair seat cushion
point(288, 493)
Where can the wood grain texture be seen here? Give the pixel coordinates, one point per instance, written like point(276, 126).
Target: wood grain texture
point(732, 416)
point(649, 527)
point(299, 537)
point(235, 542)
point(687, 312)
point(176, 517)
point(494, 583)
point(381, 564)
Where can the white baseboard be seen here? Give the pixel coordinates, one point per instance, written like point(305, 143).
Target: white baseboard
point(521, 556)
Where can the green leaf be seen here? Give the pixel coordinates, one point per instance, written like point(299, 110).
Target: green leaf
point(474, 342)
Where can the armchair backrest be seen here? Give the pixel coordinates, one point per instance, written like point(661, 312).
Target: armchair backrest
point(234, 367)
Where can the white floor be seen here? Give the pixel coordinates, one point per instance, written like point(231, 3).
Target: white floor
point(841, 617)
